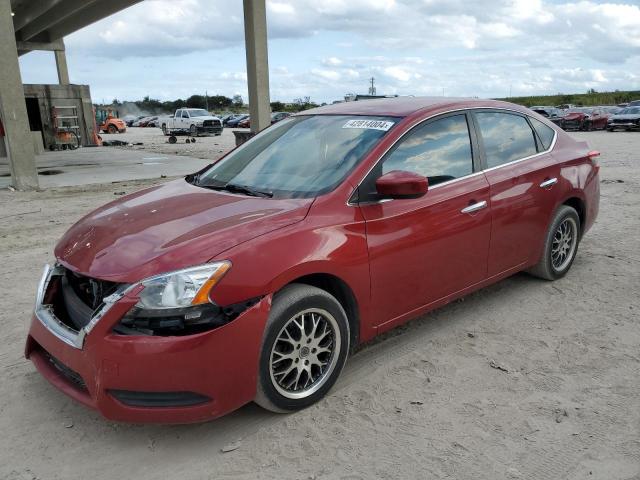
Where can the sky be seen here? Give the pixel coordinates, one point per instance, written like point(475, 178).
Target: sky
point(324, 49)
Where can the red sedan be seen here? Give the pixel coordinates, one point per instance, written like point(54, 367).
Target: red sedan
point(254, 278)
point(584, 118)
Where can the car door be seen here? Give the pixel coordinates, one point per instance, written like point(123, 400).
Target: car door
point(423, 249)
point(185, 122)
point(522, 175)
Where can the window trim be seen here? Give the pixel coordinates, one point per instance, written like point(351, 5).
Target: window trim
point(476, 159)
point(476, 148)
point(517, 160)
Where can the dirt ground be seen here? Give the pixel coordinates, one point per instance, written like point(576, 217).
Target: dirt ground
point(523, 380)
point(207, 147)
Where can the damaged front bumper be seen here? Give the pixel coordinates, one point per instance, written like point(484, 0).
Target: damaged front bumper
point(142, 378)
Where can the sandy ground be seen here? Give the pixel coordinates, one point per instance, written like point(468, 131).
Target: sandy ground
point(208, 147)
point(421, 402)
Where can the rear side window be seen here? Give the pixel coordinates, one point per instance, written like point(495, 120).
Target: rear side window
point(545, 133)
point(506, 137)
point(439, 150)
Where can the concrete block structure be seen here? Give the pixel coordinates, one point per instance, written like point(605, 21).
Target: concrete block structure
point(41, 101)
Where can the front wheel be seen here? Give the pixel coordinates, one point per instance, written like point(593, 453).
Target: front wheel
point(305, 346)
point(560, 246)
point(112, 129)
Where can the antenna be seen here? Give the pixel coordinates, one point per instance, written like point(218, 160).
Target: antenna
point(372, 88)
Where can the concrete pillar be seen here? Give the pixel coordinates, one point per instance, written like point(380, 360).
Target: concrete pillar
point(61, 65)
point(13, 109)
point(255, 36)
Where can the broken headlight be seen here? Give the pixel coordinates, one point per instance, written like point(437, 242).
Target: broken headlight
point(176, 302)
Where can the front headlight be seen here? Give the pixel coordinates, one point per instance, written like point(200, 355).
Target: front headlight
point(182, 288)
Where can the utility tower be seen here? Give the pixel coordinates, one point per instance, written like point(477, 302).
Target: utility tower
point(372, 88)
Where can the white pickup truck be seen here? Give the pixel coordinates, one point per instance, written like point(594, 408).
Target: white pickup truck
point(191, 121)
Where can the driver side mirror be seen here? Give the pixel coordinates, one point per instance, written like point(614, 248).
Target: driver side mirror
point(402, 184)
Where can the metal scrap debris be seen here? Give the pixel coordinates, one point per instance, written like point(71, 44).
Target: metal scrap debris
point(498, 366)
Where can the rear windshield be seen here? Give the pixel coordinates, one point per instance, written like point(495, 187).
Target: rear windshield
point(300, 156)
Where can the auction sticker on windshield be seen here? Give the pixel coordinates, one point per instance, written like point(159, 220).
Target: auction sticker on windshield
point(370, 124)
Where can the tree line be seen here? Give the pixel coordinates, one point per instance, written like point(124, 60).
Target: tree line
point(591, 98)
point(213, 103)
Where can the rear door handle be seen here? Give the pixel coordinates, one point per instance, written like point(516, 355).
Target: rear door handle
point(549, 183)
point(474, 207)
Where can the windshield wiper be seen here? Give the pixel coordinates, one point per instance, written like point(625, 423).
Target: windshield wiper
point(232, 187)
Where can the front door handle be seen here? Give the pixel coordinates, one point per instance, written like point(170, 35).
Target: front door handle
point(549, 183)
point(474, 207)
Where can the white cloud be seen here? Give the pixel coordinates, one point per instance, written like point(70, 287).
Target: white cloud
point(326, 48)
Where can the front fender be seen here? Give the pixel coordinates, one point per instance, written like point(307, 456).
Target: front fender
point(266, 264)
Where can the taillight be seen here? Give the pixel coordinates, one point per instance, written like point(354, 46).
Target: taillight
point(593, 156)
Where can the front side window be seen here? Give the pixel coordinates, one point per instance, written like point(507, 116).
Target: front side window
point(507, 137)
point(439, 150)
point(185, 114)
point(300, 156)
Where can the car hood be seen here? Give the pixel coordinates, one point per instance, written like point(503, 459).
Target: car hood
point(169, 227)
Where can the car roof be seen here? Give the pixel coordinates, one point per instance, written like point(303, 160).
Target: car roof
point(404, 106)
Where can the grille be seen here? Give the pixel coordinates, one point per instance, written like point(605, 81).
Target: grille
point(89, 290)
point(74, 298)
point(72, 376)
point(211, 123)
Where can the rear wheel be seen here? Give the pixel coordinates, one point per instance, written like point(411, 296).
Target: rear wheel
point(112, 129)
point(304, 348)
point(560, 246)
point(193, 130)
point(165, 132)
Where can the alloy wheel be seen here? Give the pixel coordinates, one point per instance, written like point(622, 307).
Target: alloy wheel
point(564, 244)
point(305, 353)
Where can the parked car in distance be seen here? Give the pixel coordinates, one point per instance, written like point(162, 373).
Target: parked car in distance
point(254, 278)
point(191, 121)
point(140, 122)
point(244, 123)
point(548, 112)
point(584, 118)
point(634, 103)
point(277, 116)
point(233, 123)
point(151, 122)
point(232, 117)
point(627, 119)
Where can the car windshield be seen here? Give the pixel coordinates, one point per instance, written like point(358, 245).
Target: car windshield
point(630, 111)
point(300, 156)
point(198, 113)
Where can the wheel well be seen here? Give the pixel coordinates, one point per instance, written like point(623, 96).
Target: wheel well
point(343, 293)
point(578, 206)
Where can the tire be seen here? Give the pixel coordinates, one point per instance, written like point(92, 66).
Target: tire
point(193, 130)
point(165, 132)
point(286, 358)
point(554, 263)
point(112, 129)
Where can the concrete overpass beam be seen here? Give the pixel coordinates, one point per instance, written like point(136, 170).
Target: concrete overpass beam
point(255, 34)
point(61, 65)
point(13, 110)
